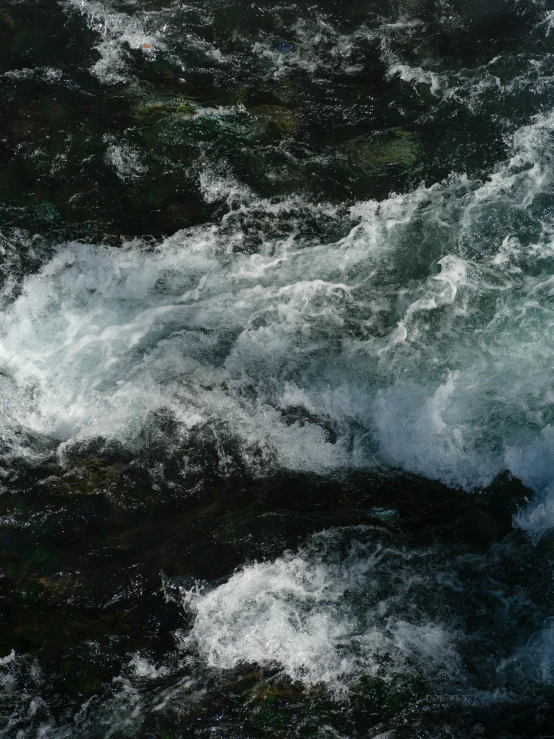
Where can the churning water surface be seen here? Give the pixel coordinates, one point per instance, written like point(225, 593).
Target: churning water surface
point(276, 351)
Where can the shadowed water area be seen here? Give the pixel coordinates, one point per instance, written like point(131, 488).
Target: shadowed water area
point(276, 385)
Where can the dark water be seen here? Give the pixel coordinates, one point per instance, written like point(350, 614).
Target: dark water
point(276, 350)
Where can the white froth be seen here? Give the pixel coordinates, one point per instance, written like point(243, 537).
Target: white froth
point(119, 32)
point(302, 613)
point(125, 160)
point(316, 47)
point(45, 74)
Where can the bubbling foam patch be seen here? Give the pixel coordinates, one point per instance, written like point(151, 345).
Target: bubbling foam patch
point(119, 32)
point(322, 616)
point(355, 602)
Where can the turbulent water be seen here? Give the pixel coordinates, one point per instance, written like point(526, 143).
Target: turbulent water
point(276, 369)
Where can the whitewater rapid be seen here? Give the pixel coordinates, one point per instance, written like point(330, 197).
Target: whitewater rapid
point(261, 457)
point(420, 340)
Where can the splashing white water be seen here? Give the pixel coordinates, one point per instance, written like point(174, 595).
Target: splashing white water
point(303, 612)
point(419, 340)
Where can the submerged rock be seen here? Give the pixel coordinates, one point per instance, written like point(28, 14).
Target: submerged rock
point(276, 118)
point(394, 146)
point(45, 211)
point(180, 104)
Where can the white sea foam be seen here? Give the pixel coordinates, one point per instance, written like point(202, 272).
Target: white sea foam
point(322, 617)
point(317, 47)
point(120, 31)
point(151, 32)
point(45, 74)
point(125, 160)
